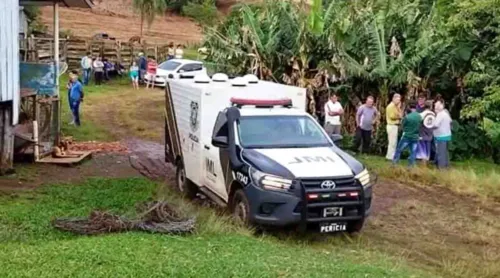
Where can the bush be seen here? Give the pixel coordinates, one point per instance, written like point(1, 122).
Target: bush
point(205, 13)
point(493, 130)
point(469, 140)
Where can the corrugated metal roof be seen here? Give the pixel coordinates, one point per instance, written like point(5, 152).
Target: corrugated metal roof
point(9, 54)
point(67, 3)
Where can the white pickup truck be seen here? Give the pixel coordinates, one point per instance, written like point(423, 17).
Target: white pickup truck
point(250, 145)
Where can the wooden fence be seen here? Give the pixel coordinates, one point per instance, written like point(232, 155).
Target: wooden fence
point(72, 50)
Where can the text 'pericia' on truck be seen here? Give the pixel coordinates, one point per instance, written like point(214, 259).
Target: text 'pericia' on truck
point(251, 145)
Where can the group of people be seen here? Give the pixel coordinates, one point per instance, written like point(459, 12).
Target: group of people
point(425, 142)
point(100, 67)
point(144, 69)
point(416, 136)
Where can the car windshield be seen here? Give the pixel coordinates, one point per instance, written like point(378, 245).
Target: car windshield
point(169, 65)
point(280, 132)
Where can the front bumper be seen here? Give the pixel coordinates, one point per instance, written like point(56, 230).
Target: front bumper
point(159, 81)
point(274, 208)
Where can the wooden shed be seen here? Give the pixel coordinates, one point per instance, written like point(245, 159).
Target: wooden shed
point(9, 68)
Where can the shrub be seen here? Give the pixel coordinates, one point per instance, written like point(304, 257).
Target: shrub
point(205, 13)
point(469, 140)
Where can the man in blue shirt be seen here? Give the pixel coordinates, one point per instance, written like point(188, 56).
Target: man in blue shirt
point(75, 97)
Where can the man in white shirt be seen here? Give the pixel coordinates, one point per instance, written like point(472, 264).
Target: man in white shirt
point(333, 111)
point(86, 64)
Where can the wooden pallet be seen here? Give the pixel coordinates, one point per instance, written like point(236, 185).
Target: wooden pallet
point(66, 161)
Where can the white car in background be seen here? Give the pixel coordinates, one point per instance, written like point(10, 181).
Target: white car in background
point(176, 69)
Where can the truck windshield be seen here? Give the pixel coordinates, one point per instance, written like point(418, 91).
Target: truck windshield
point(280, 132)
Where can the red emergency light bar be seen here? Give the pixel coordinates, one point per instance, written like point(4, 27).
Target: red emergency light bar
point(261, 102)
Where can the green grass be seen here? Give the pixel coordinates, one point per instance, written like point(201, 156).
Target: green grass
point(88, 131)
point(29, 246)
point(473, 177)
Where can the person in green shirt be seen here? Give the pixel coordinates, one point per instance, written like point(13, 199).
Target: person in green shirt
point(411, 129)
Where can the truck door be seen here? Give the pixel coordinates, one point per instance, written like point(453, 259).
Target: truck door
point(215, 166)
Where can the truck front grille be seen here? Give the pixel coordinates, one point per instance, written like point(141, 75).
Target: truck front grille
point(340, 182)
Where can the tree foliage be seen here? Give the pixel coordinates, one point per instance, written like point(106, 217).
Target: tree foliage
point(375, 47)
point(148, 9)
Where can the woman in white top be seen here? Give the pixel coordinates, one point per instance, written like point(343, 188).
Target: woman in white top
point(98, 70)
point(179, 52)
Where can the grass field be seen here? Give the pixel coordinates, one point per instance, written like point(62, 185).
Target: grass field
point(29, 246)
point(440, 222)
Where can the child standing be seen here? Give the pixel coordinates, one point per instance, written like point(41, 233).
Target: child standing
point(151, 73)
point(134, 75)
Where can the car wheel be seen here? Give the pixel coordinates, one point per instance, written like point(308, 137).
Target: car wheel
point(187, 188)
point(355, 226)
point(240, 207)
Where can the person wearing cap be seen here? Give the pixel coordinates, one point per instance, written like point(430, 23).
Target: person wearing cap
point(143, 65)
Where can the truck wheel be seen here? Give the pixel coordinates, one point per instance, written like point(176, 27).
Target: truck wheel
point(355, 226)
point(240, 207)
point(185, 186)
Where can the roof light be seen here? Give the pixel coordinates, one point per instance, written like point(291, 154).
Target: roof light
point(202, 78)
point(220, 77)
point(251, 79)
point(261, 102)
point(239, 82)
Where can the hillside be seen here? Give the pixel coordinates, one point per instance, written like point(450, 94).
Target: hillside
point(116, 18)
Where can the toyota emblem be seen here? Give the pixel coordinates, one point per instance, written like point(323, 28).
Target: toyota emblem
point(328, 185)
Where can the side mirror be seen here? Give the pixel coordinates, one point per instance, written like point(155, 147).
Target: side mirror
point(336, 138)
point(181, 71)
point(220, 141)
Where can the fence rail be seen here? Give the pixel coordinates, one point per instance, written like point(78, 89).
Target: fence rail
point(41, 50)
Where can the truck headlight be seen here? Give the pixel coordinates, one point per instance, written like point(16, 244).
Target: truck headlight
point(363, 178)
point(270, 182)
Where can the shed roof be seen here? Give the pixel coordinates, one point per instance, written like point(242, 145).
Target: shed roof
point(66, 3)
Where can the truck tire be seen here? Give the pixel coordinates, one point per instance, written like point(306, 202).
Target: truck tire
point(240, 208)
point(187, 188)
point(355, 226)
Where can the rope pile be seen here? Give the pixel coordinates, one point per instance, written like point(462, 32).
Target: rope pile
point(156, 217)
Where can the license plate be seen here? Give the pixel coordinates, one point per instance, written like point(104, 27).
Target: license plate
point(332, 227)
point(333, 212)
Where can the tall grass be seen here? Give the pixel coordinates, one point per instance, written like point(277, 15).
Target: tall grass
point(472, 177)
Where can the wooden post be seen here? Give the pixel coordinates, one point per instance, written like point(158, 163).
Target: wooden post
point(156, 53)
point(36, 147)
point(35, 50)
point(119, 53)
point(56, 114)
point(6, 139)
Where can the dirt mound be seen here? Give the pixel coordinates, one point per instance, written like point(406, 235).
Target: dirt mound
point(117, 19)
